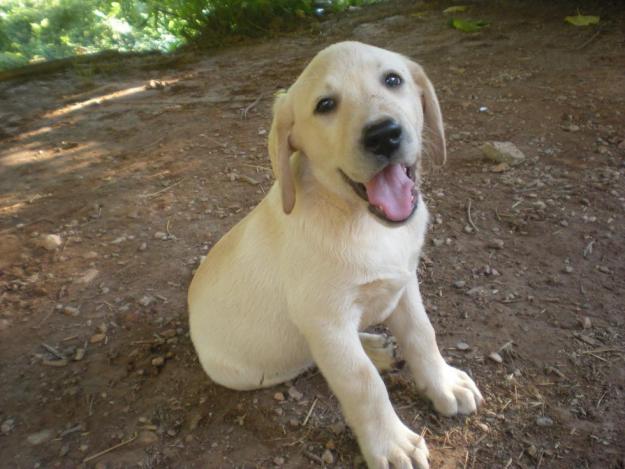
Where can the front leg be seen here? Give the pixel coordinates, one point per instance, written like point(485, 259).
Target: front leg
point(451, 390)
point(384, 440)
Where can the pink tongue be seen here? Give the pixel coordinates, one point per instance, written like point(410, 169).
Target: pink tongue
point(391, 191)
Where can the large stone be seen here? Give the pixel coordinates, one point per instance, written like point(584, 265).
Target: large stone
point(503, 152)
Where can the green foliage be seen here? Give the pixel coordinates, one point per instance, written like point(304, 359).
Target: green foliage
point(32, 30)
point(467, 26)
point(581, 20)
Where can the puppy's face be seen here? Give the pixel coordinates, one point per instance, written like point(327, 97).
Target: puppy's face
point(357, 113)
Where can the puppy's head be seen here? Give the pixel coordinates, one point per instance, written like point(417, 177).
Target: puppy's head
point(359, 114)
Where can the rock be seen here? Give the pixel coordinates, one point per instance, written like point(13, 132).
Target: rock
point(544, 421)
point(327, 457)
point(462, 346)
point(88, 276)
point(503, 152)
point(278, 396)
point(568, 127)
point(567, 269)
point(476, 291)
point(146, 300)
point(496, 243)
point(50, 242)
point(586, 322)
point(7, 426)
point(500, 168)
point(143, 246)
point(532, 450)
point(160, 235)
point(39, 437)
point(295, 394)
point(459, 284)
point(496, 357)
point(71, 311)
point(278, 461)
point(147, 437)
point(4, 324)
point(437, 242)
point(97, 338)
point(158, 361)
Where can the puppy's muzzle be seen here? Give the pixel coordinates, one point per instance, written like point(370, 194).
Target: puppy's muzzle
point(382, 138)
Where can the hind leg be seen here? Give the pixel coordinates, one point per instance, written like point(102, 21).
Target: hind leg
point(380, 349)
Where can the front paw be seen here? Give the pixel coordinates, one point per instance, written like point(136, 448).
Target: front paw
point(393, 445)
point(453, 392)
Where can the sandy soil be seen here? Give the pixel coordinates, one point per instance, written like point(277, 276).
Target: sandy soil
point(139, 181)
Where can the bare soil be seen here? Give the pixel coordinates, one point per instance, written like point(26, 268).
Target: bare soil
point(139, 181)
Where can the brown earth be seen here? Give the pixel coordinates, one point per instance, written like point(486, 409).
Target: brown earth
point(140, 181)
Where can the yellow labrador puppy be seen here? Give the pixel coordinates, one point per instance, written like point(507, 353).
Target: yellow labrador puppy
point(333, 249)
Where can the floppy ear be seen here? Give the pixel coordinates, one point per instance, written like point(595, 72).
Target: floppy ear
point(280, 150)
point(433, 119)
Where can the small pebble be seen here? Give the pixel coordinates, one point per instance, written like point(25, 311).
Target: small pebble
point(459, 284)
point(462, 346)
point(50, 242)
point(496, 244)
point(39, 437)
point(567, 269)
point(143, 246)
point(97, 338)
point(544, 421)
point(278, 396)
point(496, 357)
point(327, 457)
point(7, 426)
point(483, 427)
point(158, 361)
point(71, 311)
point(586, 322)
point(295, 394)
point(146, 300)
point(278, 461)
point(437, 242)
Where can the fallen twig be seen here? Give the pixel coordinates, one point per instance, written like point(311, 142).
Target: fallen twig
point(251, 106)
point(310, 411)
point(112, 448)
point(469, 216)
point(154, 194)
point(53, 351)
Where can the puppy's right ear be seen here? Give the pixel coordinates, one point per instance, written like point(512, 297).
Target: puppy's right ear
point(280, 150)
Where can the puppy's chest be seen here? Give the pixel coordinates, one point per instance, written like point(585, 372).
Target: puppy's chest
point(377, 299)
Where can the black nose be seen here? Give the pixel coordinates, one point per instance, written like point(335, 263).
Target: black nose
point(382, 138)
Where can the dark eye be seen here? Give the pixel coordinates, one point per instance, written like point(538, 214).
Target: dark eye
point(392, 80)
point(325, 105)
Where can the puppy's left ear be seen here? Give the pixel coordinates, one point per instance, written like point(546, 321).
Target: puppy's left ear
point(280, 150)
point(433, 118)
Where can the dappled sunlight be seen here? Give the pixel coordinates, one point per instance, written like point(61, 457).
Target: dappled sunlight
point(102, 99)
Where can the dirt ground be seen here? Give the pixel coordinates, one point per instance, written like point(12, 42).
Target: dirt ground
point(140, 181)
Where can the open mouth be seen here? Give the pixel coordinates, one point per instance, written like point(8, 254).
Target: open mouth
point(391, 194)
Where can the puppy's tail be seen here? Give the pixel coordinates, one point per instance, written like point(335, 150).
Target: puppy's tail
point(381, 349)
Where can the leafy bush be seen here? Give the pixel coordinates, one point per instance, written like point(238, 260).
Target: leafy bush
point(32, 30)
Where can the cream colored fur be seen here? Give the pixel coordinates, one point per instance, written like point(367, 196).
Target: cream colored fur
point(295, 281)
